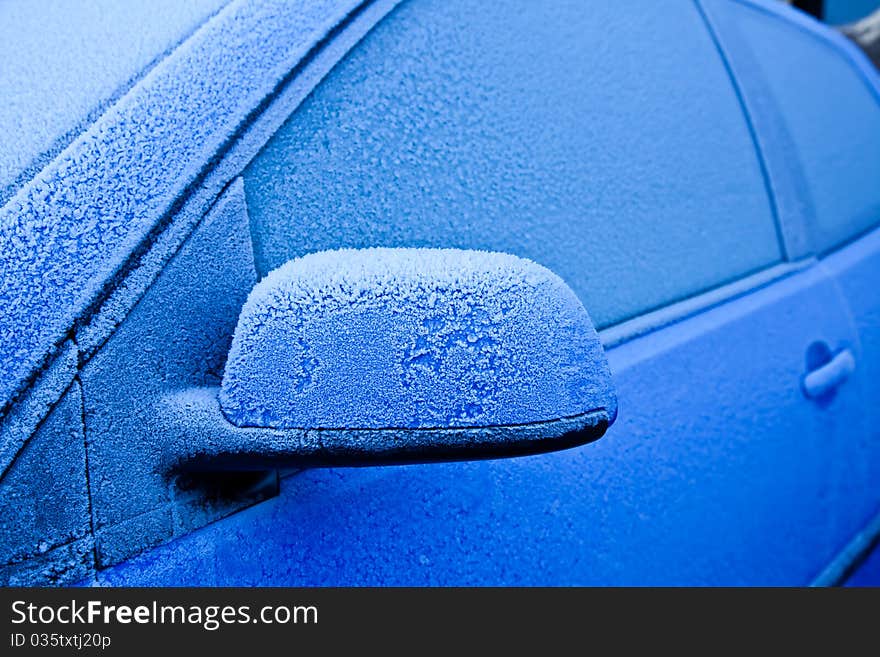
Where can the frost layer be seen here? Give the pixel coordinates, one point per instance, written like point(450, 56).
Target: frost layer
point(412, 338)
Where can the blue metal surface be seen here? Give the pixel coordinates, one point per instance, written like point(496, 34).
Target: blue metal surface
point(178, 335)
point(856, 270)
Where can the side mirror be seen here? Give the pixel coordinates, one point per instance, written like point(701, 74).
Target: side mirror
point(377, 356)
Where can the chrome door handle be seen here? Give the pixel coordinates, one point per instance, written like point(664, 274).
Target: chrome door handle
point(826, 378)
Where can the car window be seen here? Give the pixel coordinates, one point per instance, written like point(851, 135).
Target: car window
point(833, 116)
point(604, 143)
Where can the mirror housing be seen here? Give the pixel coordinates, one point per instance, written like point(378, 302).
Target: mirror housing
point(400, 355)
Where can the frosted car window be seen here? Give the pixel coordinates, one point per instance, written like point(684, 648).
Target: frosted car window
point(605, 143)
point(833, 116)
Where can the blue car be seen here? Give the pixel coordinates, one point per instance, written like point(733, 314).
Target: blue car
point(437, 292)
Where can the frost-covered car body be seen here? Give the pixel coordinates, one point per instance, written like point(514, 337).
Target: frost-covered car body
point(704, 176)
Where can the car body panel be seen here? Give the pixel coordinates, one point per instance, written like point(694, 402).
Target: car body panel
point(867, 572)
point(856, 270)
point(816, 110)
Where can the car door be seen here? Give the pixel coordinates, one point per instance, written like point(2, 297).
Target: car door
point(815, 101)
point(570, 137)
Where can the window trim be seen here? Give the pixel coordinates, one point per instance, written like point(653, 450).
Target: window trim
point(680, 310)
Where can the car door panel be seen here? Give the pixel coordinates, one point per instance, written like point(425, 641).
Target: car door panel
point(814, 99)
point(856, 270)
